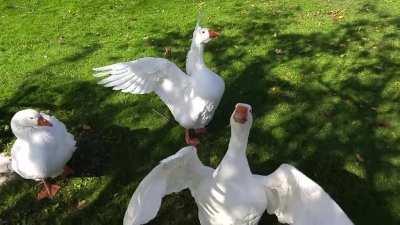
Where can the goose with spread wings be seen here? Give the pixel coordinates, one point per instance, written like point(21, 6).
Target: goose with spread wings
point(192, 97)
point(231, 194)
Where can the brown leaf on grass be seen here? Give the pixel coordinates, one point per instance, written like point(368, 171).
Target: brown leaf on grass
point(86, 127)
point(383, 124)
point(167, 52)
point(336, 14)
point(359, 157)
point(81, 204)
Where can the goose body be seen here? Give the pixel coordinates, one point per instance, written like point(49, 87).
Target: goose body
point(192, 97)
point(40, 151)
point(231, 194)
point(223, 202)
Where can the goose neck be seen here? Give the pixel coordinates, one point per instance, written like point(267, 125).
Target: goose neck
point(238, 143)
point(195, 60)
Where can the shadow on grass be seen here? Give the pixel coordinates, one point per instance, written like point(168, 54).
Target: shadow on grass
point(334, 117)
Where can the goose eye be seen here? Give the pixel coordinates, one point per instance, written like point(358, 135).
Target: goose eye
point(250, 110)
point(31, 118)
point(203, 32)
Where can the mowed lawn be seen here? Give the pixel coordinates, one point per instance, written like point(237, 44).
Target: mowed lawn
point(323, 78)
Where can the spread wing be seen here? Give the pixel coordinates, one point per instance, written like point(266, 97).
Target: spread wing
point(173, 174)
point(296, 199)
point(143, 76)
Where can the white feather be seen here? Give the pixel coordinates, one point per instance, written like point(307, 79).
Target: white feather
point(231, 194)
point(40, 152)
point(146, 75)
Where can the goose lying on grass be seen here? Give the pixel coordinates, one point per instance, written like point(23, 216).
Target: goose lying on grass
point(192, 98)
point(42, 149)
point(231, 194)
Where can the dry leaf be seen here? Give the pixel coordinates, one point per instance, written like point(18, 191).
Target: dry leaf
point(167, 52)
point(336, 14)
point(86, 127)
point(359, 157)
point(383, 124)
point(81, 204)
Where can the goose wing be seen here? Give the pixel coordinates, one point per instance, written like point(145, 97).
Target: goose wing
point(296, 199)
point(143, 76)
point(173, 174)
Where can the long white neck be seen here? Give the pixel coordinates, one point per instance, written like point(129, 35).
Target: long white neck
point(234, 165)
point(194, 59)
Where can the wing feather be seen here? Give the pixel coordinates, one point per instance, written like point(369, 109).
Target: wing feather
point(113, 78)
point(142, 76)
point(173, 174)
point(296, 199)
point(117, 82)
point(124, 85)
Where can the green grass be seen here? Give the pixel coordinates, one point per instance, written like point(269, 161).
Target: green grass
point(323, 78)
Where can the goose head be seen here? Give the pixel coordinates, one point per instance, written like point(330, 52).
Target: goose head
point(26, 121)
point(203, 35)
point(241, 119)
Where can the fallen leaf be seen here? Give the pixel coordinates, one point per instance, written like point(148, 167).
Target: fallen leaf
point(81, 204)
point(383, 124)
point(167, 52)
point(359, 157)
point(86, 127)
point(278, 51)
point(336, 14)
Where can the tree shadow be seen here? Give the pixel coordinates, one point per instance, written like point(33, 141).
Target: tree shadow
point(333, 121)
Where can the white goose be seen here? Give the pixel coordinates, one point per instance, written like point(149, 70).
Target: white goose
point(231, 194)
point(42, 148)
point(192, 98)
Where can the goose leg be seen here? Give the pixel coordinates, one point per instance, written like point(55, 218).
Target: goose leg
point(48, 191)
point(190, 137)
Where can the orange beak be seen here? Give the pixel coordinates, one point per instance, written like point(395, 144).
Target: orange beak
point(240, 114)
point(43, 122)
point(213, 34)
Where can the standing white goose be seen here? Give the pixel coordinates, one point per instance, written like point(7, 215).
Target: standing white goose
point(231, 194)
point(42, 148)
point(192, 98)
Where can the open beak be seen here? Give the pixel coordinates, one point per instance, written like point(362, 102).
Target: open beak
point(240, 114)
point(213, 34)
point(43, 122)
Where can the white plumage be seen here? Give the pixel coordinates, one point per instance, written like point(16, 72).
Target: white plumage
point(231, 194)
point(192, 98)
point(42, 148)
